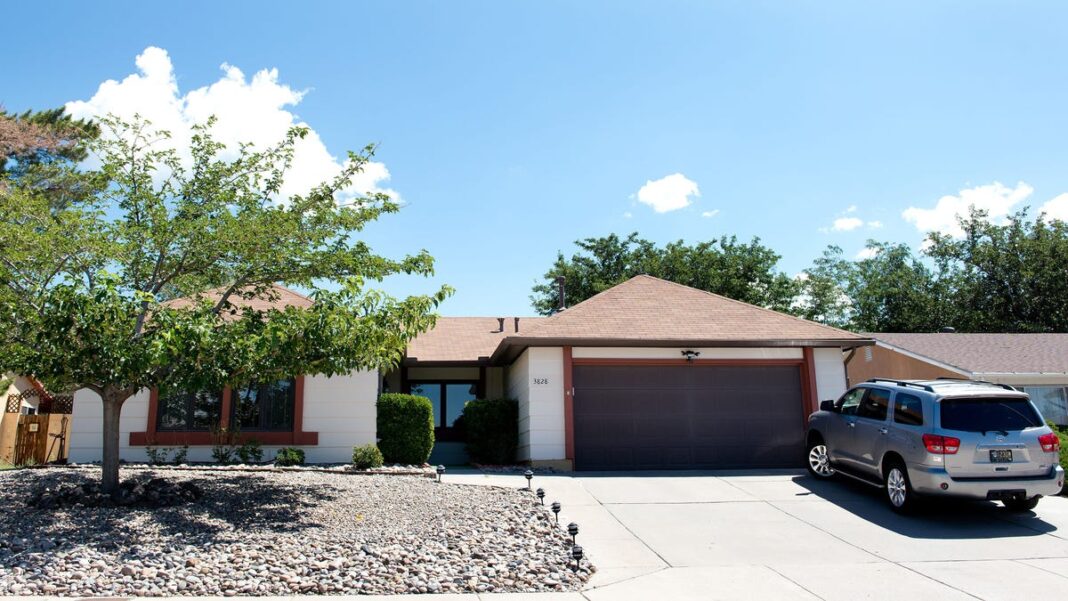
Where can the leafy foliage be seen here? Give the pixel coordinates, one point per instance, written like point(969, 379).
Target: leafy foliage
point(492, 431)
point(250, 451)
point(405, 428)
point(743, 271)
point(366, 457)
point(86, 270)
point(289, 456)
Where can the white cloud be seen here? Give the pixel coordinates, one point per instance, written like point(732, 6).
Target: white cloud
point(851, 209)
point(628, 215)
point(669, 193)
point(997, 199)
point(866, 253)
point(253, 111)
point(1056, 208)
point(874, 225)
point(846, 224)
point(709, 214)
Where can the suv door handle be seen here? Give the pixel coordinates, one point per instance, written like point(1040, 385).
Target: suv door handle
point(883, 430)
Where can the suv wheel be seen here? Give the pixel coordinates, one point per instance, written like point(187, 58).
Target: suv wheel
point(1021, 504)
point(819, 463)
point(898, 489)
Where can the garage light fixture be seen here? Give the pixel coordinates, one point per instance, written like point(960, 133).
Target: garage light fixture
point(690, 355)
point(541, 495)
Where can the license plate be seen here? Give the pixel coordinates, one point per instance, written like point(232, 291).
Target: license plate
point(1000, 456)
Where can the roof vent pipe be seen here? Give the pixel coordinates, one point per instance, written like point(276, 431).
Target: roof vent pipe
point(516, 325)
point(500, 324)
point(561, 304)
point(948, 330)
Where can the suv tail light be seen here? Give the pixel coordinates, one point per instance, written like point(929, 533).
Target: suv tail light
point(1050, 443)
point(941, 445)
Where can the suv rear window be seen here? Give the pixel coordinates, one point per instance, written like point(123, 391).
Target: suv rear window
point(988, 415)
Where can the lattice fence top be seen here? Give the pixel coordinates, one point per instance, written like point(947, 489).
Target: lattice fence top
point(60, 403)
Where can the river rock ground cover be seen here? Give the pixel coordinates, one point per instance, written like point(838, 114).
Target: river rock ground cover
point(282, 533)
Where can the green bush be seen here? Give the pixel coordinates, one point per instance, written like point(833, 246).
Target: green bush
point(491, 430)
point(1062, 433)
point(289, 456)
point(405, 428)
point(366, 457)
point(250, 452)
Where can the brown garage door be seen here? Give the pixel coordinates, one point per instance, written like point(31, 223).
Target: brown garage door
point(687, 416)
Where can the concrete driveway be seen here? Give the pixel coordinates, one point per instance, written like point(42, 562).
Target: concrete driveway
point(782, 535)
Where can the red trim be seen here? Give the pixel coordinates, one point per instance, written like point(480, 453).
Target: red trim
point(569, 406)
point(808, 379)
point(297, 437)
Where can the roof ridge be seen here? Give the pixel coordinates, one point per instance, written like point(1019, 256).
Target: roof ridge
point(736, 301)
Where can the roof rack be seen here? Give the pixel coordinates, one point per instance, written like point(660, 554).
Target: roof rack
point(967, 381)
point(903, 383)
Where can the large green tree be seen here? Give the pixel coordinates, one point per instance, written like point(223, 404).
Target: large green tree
point(739, 270)
point(85, 280)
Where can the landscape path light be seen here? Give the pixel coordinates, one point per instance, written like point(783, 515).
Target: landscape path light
point(556, 510)
point(440, 470)
point(541, 495)
point(529, 475)
point(576, 554)
point(572, 529)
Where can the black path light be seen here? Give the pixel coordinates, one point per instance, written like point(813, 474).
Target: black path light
point(572, 529)
point(541, 495)
point(440, 470)
point(576, 554)
point(529, 475)
point(556, 510)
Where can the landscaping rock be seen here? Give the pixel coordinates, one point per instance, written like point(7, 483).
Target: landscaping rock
point(274, 533)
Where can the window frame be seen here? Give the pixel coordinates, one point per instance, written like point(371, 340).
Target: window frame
point(839, 405)
point(291, 399)
point(441, 432)
point(897, 401)
point(190, 409)
point(886, 408)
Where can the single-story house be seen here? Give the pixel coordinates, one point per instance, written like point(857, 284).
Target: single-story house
point(1035, 363)
point(648, 374)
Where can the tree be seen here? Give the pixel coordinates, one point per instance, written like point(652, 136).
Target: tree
point(151, 227)
point(742, 271)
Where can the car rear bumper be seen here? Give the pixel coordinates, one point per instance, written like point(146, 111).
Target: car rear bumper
point(935, 481)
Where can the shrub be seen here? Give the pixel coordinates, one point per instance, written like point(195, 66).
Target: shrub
point(180, 455)
point(289, 456)
point(1062, 433)
point(156, 455)
point(366, 457)
point(250, 452)
point(491, 430)
point(405, 428)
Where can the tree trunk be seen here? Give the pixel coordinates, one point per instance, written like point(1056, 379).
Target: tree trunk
point(109, 482)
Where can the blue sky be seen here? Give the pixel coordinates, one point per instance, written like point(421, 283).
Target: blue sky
point(511, 129)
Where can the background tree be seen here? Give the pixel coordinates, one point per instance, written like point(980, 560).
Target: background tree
point(152, 227)
point(743, 271)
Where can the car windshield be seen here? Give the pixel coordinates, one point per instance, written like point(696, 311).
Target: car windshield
point(989, 415)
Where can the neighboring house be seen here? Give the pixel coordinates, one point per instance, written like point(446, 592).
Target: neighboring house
point(1035, 363)
point(647, 374)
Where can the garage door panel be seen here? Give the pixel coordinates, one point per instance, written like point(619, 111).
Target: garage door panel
point(692, 416)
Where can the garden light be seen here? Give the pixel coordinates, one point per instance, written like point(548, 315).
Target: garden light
point(440, 470)
point(556, 510)
point(541, 495)
point(572, 529)
point(576, 554)
point(529, 474)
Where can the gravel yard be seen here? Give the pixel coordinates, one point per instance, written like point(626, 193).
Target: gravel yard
point(283, 533)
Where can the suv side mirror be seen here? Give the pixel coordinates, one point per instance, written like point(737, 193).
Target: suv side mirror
point(828, 406)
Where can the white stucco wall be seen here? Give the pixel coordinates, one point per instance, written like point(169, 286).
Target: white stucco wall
point(591, 352)
point(536, 380)
point(830, 373)
point(341, 409)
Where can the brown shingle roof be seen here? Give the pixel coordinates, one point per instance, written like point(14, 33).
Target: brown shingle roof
point(464, 338)
point(279, 297)
point(648, 310)
point(988, 353)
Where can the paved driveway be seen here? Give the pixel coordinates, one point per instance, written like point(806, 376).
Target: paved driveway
point(781, 535)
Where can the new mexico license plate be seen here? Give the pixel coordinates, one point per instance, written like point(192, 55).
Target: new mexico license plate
point(1001, 456)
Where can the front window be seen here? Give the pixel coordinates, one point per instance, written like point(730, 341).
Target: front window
point(874, 405)
point(266, 407)
point(847, 405)
point(188, 411)
point(988, 415)
point(447, 398)
point(1052, 402)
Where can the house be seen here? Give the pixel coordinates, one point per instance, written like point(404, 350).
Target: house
point(645, 375)
point(35, 426)
point(1035, 363)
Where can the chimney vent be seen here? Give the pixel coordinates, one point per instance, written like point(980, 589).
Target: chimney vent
point(516, 325)
point(948, 330)
point(561, 303)
point(500, 324)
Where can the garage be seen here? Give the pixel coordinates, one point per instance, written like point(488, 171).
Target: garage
point(687, 416)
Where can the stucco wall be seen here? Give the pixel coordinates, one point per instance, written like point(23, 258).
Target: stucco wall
point(536, 380)
point(341, 409)
point(830, 373)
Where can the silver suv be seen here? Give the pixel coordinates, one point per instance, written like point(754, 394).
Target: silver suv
point(937, 437)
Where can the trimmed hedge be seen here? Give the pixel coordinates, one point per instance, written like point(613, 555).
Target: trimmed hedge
point(405, 428)
point(492, 431)
point(366, 457)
